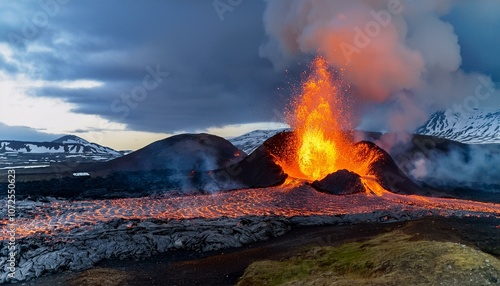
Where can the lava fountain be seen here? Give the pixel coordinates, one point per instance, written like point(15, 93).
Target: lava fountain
point(318, 115)
point(316, 119)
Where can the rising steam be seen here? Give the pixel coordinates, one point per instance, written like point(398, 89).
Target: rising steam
point(400, 57)
point(402, 60)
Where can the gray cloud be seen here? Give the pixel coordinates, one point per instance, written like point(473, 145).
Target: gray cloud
point(216, 75)
point(403, 58)
point(24, 133)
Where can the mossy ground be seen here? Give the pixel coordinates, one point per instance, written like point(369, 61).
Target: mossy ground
point(100, 277)
point(393, 258)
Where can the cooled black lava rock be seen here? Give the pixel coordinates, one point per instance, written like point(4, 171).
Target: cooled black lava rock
point(387, 173)
point(257, 170)
point(184, 152)
point(342, 182)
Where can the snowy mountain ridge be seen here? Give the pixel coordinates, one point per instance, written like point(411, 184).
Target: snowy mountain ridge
point(70, 148)
point(478, 127)
point(250, 141)
point(69, 144)
point(71, 139)
point(94, 147)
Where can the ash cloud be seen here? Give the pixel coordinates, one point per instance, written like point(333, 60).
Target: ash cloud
point(404, 61)
point(402, 58)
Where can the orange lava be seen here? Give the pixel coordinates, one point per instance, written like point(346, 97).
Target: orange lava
point(290, 200)
point(318, 116)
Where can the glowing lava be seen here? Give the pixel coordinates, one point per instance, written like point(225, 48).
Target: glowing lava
point(293, 199)
point(318, 116)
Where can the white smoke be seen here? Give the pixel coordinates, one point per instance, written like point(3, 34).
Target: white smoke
point(400, 57)
point(456, 166)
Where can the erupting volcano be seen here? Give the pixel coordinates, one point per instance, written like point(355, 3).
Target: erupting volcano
point(320, 144)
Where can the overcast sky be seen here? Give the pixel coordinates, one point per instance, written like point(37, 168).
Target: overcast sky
point(124, 73)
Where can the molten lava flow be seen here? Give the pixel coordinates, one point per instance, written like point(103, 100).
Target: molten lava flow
point(317, 117)
point(294, 199)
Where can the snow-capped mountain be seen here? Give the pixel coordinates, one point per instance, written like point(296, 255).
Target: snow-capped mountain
point(69, 144)
point(250, 141)
point(88, 146)
point(477, 127)
point(23, 154)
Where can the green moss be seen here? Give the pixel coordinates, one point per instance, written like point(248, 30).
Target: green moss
point(100, 276)
point(389, 259)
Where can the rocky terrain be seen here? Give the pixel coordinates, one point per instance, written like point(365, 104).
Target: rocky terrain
point(227, 266)
point(124, 239)
point(59, 235)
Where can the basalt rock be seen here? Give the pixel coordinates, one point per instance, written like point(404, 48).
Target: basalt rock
point(387, 172)
point(258, 170)
point(342, 182)
point(129, 239)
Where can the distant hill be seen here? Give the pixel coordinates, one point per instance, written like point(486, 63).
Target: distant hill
point(184, 152)
point(25, 153)
point(69, 144)
point(477, 127)
point(249, 142)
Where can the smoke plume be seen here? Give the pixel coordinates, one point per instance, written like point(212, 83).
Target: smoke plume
point(472, 167)
point(401, 58)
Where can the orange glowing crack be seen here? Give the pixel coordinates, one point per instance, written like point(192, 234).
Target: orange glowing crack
point(290, 200)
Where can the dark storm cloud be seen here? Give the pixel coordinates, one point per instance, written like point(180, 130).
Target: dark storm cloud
point(477, 27)
point(24, 133)
point(216, 76)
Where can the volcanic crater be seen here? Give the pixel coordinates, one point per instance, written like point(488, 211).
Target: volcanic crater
point(374, 172)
